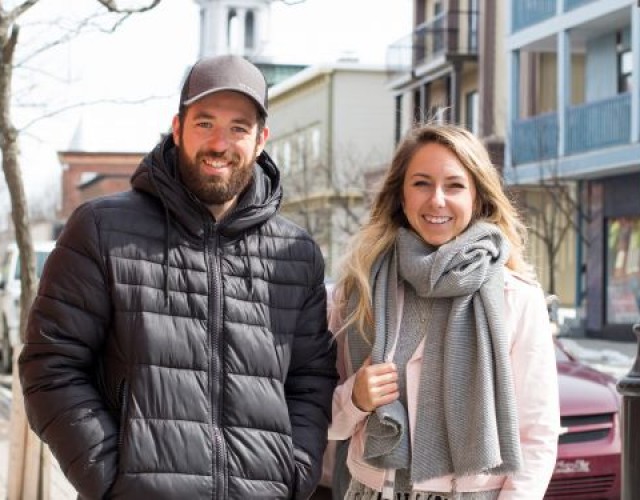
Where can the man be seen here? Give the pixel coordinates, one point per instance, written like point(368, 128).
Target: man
point(178, 346)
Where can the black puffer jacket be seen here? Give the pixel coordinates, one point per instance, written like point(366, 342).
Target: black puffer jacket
point(172, 357)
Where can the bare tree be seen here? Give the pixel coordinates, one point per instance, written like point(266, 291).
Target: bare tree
point(551, 203)
point(27, 454)
point(325, 197)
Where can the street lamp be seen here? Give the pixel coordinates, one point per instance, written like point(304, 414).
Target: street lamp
point(629, 387)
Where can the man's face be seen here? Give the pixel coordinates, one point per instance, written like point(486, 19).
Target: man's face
point(218, 143)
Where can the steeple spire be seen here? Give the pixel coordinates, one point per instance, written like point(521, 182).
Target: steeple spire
point(235, 27)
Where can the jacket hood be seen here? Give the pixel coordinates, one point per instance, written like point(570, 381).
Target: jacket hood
point(157, 175)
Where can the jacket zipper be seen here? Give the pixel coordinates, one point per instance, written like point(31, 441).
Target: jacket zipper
point(123, 398)
point(216, 375)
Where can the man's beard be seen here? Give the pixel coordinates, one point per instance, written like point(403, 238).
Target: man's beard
point(214, 190)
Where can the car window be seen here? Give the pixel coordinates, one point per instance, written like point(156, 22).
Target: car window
point(41, 258)
point(561, 355)
point(4, 268)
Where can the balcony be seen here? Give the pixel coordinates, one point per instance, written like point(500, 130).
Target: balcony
point(525, 14)
point(574, 4)
point(530, 12)
point(599, 124)
point(447, 35)
point(535, 139)
point(590, 126)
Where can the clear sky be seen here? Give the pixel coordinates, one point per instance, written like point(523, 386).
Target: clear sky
point(148, 56)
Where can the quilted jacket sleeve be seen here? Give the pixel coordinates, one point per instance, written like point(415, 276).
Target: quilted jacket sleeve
point(65, 333)
point(310, 382)
point(345, 415)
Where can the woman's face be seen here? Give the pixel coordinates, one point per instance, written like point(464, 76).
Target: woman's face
point(438, 194)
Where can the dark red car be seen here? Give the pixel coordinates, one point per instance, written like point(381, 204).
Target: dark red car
point(588, 464)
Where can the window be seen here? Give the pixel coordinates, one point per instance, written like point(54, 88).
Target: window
point(249, 31)
point(624, 63)
point(41, 258)
point(301, 160)
point(232, 29)
point(624, 72)
point(315, 144)
point(398, 118)
point(438, 27)
point(203, 26)
point(473, 25)
point(437, 8)
point(623, 270)
point(286, 157)
point(472, 111)
point(418, 116)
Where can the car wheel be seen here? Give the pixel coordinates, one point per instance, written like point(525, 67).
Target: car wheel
point(6, 356)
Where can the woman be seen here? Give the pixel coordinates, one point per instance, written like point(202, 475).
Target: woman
point(448, 378)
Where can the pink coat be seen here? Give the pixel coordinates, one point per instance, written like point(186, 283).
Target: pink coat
point(536, 387)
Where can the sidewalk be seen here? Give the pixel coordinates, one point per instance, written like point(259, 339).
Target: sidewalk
point(59, 487)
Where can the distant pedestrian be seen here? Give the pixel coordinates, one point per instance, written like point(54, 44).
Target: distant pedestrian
point(178, 346)
point(448, 379)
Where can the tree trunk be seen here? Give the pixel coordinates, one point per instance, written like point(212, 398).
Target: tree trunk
point(29, 460)
point(26, 460)
point(551, 259)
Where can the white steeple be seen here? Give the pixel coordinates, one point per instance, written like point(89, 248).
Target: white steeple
point(234, 27)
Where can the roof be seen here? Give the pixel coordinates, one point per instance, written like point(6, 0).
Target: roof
point(121, 128)
point(313, 72)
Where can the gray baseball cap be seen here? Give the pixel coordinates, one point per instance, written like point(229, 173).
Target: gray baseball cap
point(227, 72)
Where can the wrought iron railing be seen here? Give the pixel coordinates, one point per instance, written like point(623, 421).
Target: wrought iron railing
point(447, 34)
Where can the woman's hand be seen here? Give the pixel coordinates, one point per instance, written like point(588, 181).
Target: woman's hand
point(375, 385)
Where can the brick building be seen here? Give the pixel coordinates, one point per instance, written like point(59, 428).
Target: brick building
point(101, 157)
point(87, 175)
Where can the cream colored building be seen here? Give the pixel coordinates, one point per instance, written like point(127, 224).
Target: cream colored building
point(329, 125)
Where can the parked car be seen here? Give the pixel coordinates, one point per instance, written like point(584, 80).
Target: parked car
point(588, 463)
point(10, 298)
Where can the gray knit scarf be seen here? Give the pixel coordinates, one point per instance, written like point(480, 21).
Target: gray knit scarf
point(466, 415)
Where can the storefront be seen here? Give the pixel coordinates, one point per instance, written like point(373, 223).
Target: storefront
point(613, 257)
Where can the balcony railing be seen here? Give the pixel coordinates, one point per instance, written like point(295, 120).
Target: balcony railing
point(599, 124)
point(526, 13)
point(589, 126)
point(574, 4)
point(529, 12)
point(450, 33)
point(535, 139)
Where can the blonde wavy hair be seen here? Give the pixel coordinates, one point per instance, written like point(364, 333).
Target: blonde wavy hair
point(386, 216)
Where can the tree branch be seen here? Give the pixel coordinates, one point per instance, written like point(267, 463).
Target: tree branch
point(77, 105)
point(18, 10)
point(112, 6)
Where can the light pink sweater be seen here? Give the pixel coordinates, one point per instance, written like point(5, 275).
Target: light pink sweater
point(536, 387)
